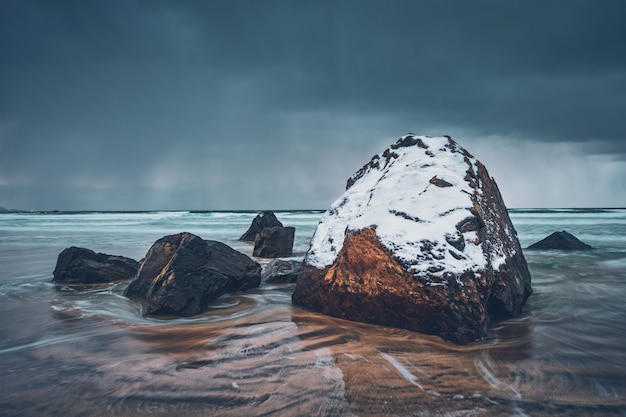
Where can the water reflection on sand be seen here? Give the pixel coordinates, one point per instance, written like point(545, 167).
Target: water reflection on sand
point(89, 352)
point(258, 355)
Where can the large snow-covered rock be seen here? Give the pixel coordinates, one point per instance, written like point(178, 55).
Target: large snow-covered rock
point(421, 239)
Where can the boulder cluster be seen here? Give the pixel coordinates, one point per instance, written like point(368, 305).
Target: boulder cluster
point(271, 239)
point(421, 239)
point(182, 274)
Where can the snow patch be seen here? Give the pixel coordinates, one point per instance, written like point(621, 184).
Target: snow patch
point(411, 214)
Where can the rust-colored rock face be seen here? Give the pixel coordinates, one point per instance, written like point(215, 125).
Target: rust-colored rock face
point(420, 240)
point(367, 284)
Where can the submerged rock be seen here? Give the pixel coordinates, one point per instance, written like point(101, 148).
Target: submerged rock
point(261, 221)
point(274, 242)
point(422, 240)
point(281, 271)
point(84, 266)
point(560, 240)
point(182, 274)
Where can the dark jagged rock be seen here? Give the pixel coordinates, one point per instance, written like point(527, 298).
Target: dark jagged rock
point(84, 266)
point(439, 182)
point(395, 250)
point(274, 242)
point(182, 274)
point(261, 221)
point(281, 271)
point(561, 241)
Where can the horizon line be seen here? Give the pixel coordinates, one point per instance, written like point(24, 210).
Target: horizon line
point(4, 210)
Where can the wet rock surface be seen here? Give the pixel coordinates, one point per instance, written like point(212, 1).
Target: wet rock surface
point(261, 221)
point(274, 242)
point(182, 274)
point(83, 266)
point(420, 240)
point(560, 240)
point(281, 271)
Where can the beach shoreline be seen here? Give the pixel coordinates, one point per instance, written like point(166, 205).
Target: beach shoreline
point(69, 352)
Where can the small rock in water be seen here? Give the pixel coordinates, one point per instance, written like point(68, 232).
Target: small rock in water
point(260, 222)
point(560, 240)
point(84, 266)
point(182, 274)
point(279, 271)
point(274, 242)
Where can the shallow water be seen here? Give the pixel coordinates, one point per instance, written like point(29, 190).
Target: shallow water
point(88, 351)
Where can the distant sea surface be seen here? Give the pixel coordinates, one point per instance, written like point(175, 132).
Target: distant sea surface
point(89, 352)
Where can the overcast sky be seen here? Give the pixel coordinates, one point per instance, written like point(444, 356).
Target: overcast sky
point(149, 105)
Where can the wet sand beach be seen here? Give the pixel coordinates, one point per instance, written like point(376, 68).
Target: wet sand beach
point(88, 351)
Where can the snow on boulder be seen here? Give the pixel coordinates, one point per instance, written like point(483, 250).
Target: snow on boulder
point(422, 240)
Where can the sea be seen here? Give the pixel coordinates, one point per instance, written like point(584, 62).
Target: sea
point(88, 351)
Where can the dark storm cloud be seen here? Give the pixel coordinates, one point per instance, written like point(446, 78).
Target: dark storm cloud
point(235, 104)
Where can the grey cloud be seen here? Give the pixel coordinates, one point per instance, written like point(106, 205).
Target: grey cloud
point(216, 95)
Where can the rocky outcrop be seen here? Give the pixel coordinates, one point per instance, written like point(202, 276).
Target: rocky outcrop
point(261, 221)
point(422, 240)
point(182, 274)
point(281, 271)
point(84, 266)
point(274, 242)
point(561, 241)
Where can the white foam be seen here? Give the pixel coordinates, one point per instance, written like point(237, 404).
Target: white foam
point(484, 366)
point(402, 370)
